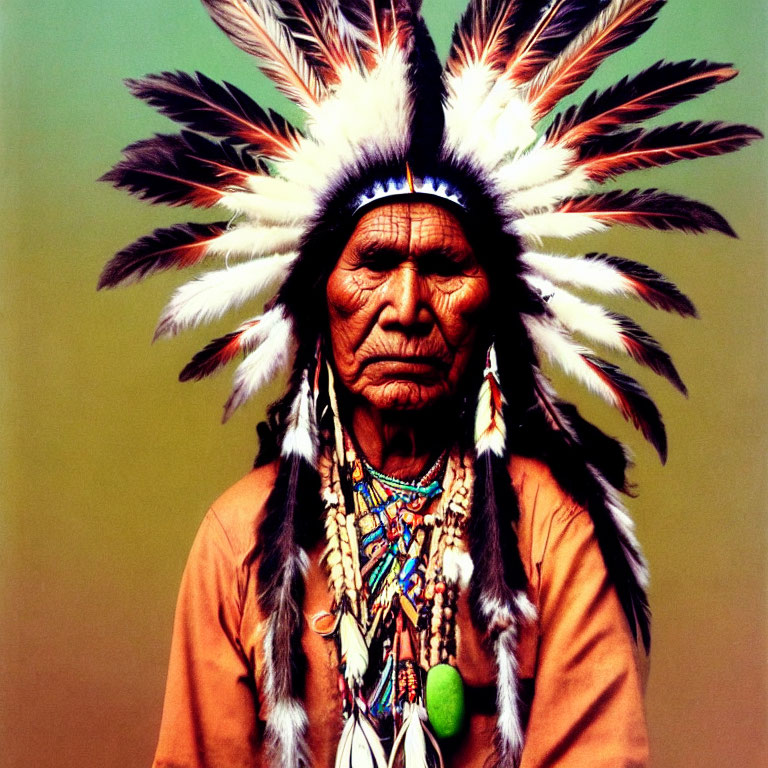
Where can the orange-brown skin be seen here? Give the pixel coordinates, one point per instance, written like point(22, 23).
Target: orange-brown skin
point(405, 301)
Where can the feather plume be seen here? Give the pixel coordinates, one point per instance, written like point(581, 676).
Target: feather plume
point(182, 245)
point(613, 276)
point(646, 208)
point(218, 110)
point(646, 95)
point(354, 652)
point(610, 329)
point(209, 296)
point(274, 354)
point(282, 567)
point(545, 197)
point(509, 739)
point(606, 157)
point(601, 378)
point(540, 166)
point(301, 436)
point(486, 33)
point(185, 169)
point(415, 746)
point(490, 430)
point(359, 745)
point(221, 351)
point(313, 27)
point(253, 26)
point(559, 23)
point(615, 27)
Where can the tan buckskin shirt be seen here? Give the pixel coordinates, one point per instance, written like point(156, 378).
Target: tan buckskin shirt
point(579, 659)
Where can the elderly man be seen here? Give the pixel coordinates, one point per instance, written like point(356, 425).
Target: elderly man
point(430, 564)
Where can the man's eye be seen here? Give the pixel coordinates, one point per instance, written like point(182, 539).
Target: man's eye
point(379, 260)
point(442, 264)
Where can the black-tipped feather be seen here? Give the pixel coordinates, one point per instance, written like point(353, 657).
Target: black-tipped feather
point(498, 571)
point(558, 24)
point(633, 401)
point(607, 35)
point(219, 110)
point(608, 156)
point(184, 169)
point(650, 285)
point(216, 354)
point(632, 100)
point(649, 208)
point(179, 246)
point(643, 348)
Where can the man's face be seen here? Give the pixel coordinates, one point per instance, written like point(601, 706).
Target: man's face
point(404, 301)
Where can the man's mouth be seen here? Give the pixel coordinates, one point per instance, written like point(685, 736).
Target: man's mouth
point(406, 366)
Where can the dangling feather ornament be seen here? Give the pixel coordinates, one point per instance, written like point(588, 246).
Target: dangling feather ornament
point(415, 746)
point(490, 430)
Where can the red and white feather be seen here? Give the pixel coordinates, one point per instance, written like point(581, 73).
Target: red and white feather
point(490, 430)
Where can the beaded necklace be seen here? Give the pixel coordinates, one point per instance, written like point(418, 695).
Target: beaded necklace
point(394, 557)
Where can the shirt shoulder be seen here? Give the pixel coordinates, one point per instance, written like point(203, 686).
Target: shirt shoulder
point(545, 510)
point(239, 510)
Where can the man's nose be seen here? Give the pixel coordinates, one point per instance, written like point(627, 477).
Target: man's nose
point(406, 300)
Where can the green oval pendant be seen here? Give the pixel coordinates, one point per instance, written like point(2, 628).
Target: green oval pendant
point(445, 700)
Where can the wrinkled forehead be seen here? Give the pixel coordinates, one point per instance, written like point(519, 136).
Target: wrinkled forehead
point(409, 227)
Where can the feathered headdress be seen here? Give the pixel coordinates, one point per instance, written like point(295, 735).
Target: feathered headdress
point(384, 119)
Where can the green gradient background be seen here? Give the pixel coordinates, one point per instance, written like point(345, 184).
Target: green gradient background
point(109, 463)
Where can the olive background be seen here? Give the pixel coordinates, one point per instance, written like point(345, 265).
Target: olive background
point(109, 463)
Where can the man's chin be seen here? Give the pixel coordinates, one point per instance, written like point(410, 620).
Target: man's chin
point(410, 393)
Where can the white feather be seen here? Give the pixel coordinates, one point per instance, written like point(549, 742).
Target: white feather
point(380, 102)
point(209, 296)
point(557, 224)
point(490, 430)
point(267, 209)
point(542, 164)
point(275, 353)
point(508, 723)
point(373, 741)
point(485, 117)
point(579, 316)
point(415, 747)
point(547, 196)
point(457, 566)
point(246, 240)
point(554, 342)
point(354, 651)
point(593, 274)
point(344, 749)
point(301, 430)
point(626, 526)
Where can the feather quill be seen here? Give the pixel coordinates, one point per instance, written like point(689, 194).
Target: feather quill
point(218, 110)
point(646, 95)
point(221, 351)
point(182, 245)
point(600, 378)
point(615, 27)
point(646, 208)
point(185, 169)
point(253, 26)
point(610, 329)
point(608, 156)
point(274, 354)
point(209, 296)
point(612, 275)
